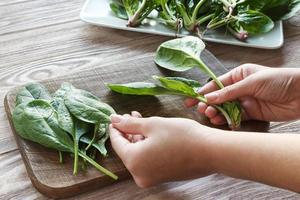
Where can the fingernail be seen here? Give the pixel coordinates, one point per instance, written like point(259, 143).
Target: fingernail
point(212, 96)
point(116, 118)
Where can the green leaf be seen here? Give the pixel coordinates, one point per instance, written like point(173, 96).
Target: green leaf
point(32, 91)
point(234, 111)
point(255, 22)
point(88, 109)
point(118, 9)
point(100, 143)
point(139, 88)
point(37, 121)
point(293, 9)
point(182, 54)
point(275, 9)
point(177, 85)
point(192, 83)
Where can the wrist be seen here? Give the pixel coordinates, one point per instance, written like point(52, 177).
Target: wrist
point(204, 149)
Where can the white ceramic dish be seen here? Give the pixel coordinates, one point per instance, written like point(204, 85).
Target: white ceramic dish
point(98, 12)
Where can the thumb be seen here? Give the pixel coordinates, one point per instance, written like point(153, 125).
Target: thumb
point(128, 124)
point(231, 92)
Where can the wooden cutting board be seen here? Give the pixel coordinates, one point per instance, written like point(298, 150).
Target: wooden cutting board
point(56, 180)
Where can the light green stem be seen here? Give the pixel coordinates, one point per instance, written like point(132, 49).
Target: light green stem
point(99, 167)
point(204, 19)
point(210, 73)
point(75, 168)
point(61, 160)
point(225, 114)
point(134, 20)
point(94, 137)
point(196, 10)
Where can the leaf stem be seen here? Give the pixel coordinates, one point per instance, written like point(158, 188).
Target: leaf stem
point(210, 73)
point(204, 19)
point(133, 20)
point(94, 137)
point(99, 167)
point(75, 168)
point(225, 114)
point(196, 10)
point(61, 160)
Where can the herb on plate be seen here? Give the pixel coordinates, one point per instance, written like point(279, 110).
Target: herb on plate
point(241, 18)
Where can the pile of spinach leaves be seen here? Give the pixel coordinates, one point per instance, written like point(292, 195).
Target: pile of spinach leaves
point(71, 120)
point(240, 17)
point(181, 55)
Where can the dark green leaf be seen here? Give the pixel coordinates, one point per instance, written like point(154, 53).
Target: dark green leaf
point(293, 9)
point(88, 109)
point(255, 22)
point(100, 143)
point(118, 9)
point(32, 91)
point(37, 121)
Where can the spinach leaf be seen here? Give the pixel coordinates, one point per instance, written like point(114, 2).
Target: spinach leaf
point(183, 54)
point(100, 143)
point(184, 87)
point(48, 121)
point(32, 91)
point(254, 22)
point(275, 9)
point(180, 55)
point(176, 84)
point(88, 109)
point(118, 9)
point(192, 83)
point(293, 9)
point(137, 10)
point(168, 14)
point(67, 122)
point(139, 88)
point(37, 121)
point(233, 110)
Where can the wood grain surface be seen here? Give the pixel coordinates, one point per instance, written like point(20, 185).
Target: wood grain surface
point(56, 180)
point(42, 39)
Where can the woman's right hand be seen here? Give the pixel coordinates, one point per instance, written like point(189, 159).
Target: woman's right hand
point(268, 94)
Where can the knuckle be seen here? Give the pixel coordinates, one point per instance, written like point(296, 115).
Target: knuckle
point(227, 92)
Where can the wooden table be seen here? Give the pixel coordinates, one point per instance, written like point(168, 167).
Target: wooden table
point(40, 39)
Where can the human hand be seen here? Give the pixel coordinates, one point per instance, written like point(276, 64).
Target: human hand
point(157, 149)
point(268, 94)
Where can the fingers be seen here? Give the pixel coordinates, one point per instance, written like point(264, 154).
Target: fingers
point(218, 120)
point(119, 143)
point(231, 92)
point(189, 102)
point(128, 124)
point(136, 114)
point(136, 138)
point(226, 79)
point(237, 74)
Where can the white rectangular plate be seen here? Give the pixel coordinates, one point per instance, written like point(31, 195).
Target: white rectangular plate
point(98, 12)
